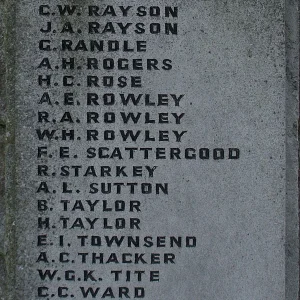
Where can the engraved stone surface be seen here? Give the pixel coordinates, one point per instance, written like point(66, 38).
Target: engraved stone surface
point(151, 150)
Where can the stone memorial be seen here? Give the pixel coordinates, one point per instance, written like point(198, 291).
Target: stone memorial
point(149, 150)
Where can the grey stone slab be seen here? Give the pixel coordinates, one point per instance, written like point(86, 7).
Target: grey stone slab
point(181, 183)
